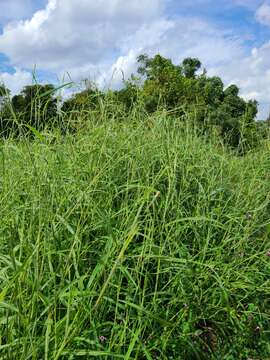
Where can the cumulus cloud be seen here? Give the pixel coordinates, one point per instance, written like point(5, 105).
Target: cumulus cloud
point(252, 74)
point(101, 40)
point(17, 80)
point(68, 34)
point(178, 39)
point(224, 55)
point(263, 14)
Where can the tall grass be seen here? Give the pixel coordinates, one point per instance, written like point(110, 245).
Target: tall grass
point(133, 240)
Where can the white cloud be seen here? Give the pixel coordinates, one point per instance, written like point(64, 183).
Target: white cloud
point(16, 81)
point(263, 14)
point(69, 34)
point(100, 39)
point(252, 74)
point(145, 39)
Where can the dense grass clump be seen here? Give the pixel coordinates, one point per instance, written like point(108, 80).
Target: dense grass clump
point(133, 241)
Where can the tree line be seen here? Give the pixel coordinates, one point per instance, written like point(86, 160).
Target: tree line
point(185, 91)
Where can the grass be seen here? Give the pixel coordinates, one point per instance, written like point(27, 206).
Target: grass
point(128, 241)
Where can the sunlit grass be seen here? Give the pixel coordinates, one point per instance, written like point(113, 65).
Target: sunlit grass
point(133, 240)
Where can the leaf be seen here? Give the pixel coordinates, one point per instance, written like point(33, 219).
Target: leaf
point(49, 92)
point(268, 229)
point(37, 133)
point(132, 344)
point(64, 222)
point(8, 307)
point(93, 353)
point(3, 295)
point(148, 313)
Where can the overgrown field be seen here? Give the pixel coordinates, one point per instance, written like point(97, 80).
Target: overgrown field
point(133, 241)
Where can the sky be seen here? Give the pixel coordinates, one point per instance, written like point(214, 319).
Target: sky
point(99, 40)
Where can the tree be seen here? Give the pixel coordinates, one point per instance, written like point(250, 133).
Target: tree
point(35, 105)
point(18, 103)
point(130, 93)
point(232, 90)
point(164, 84)
point(190, 67)
point(171, 86)
point(82, 101)
point(157, 68)
point(213, 91)
point(251, 110)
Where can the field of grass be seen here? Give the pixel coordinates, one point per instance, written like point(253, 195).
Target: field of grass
point(133, 241)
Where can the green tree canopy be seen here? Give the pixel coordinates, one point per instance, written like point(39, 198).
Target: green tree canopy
point(190, 67)
point(173, 86)
point(162, 85)
point(36, 104)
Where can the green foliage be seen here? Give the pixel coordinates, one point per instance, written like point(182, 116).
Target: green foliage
point(163, 82)
point(35, 106)
point(159, 85)
point(172, 86)
point(4, 91)
point(262, 129)
point(130, 94)
point(81, 102)
point(190, 67)
point(139, 240)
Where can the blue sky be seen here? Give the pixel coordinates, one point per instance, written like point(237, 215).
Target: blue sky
point(98, 39)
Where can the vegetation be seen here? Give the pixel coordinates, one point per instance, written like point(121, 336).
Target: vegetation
point(135, 230)
point(159, 85)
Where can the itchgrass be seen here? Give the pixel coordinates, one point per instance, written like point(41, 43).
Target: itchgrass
point(133, 240)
